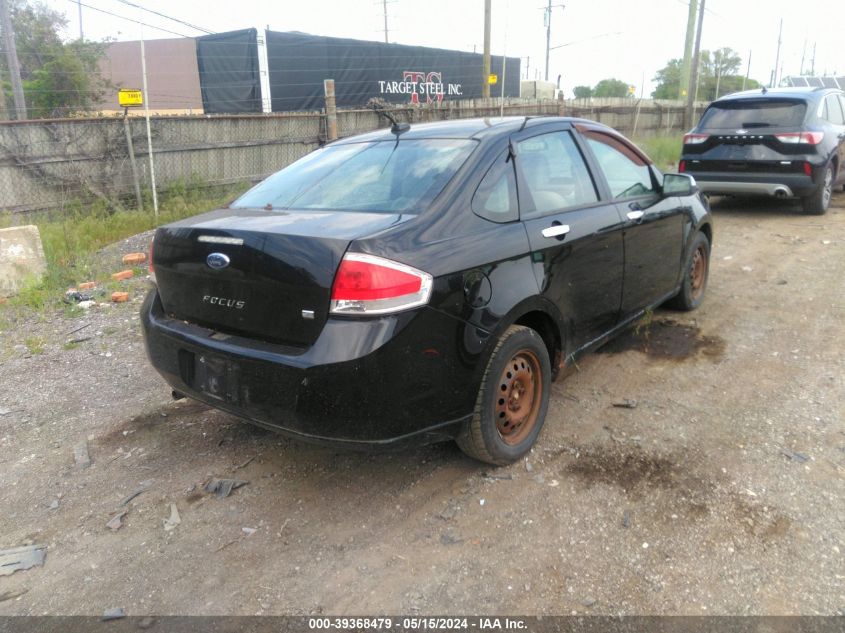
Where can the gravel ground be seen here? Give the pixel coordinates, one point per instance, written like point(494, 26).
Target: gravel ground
point(720, 492)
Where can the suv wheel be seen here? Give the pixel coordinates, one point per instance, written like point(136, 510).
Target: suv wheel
point(513, 399)
point(818, 202)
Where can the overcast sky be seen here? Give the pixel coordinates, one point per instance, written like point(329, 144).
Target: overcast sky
point(626, 39)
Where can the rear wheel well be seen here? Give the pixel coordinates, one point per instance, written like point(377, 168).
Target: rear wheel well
point(708, 232)
point(545, 326)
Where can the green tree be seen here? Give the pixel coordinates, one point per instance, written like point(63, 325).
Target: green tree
point(717, 69)
point(611, 88)
point(59, 78)
point(583, 92)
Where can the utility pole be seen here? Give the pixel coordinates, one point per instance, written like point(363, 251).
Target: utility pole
point(548, 11)
point(685, 64)
point(773, 83)
point(384, 5)
point(747, 70)
point(803, 55)
point(813, 61)
point(692, 89)
point(485, 84)
point(149, 132)
point(12, 60)
point(79, 6)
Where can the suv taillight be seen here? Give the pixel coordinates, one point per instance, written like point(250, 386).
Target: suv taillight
point(695, 139)
point(810, 138)
point(366, 284)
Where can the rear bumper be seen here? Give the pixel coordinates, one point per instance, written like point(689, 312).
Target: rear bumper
point(388, 382)
point(779, 185)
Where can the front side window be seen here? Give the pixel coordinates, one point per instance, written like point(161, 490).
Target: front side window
point(555, 174)
point(627, 174)
point(384, 176)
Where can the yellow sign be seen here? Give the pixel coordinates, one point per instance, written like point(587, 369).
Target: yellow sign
point(632, 90)
point(130, 98)
point(492, 79)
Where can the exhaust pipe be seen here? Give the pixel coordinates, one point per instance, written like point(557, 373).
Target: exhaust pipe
point(781, 192)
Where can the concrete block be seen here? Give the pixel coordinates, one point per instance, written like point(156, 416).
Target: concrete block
point(21, 258)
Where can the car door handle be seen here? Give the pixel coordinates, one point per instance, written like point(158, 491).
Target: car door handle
point(556, 231)
point(635, 215)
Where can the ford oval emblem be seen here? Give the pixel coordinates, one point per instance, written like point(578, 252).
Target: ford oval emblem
point(217, 261)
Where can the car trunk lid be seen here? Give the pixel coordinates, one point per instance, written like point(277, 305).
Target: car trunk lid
point(262, 274)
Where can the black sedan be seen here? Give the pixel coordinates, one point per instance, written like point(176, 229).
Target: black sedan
point(426, 283)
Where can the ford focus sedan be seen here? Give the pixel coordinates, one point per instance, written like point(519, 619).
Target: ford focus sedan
point(421, 284)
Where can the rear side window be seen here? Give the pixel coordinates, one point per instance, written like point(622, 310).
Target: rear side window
point(753, 113)
point(390, 176)
point(556, 176)
point(495, 199)
point(627, 174)
point(833, 110)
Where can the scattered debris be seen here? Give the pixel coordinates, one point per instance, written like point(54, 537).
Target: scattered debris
point(727, 257)
point(81, 327)
point(4, 411)
point(825, 242)
point(449, 539)
point(144, 487)
point(119, 297)
point(11, 560)
point(123, 274)
point(226, 544)
point(588, 602)
point(506, 477)
point(626, 519)
point(88, 285)
point(795, 457)
point(243, 464)
point(145, 623)
point(74, 296)
point(449, 513)
point(554, 483)
point(481, 502)
point(80, 454)
point(87, 305)
point(115, 613)
point(539, 479)
point(528, 467)
point(116, 522)
point(747, 269)
point(627, 403)
point(134, 259)
point(54, 505)
point(224, 487)
point(249, 531)
point(174, 519)
point(12, 594)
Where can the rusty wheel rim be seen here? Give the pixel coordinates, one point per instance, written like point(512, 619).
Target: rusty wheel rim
point(698, 272)
point(518, 397)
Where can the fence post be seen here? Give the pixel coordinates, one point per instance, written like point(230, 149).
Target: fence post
point(131, 150)
point(331, 110)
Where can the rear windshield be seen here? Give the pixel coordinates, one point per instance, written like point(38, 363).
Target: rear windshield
point(749, 114)
point(389, 176)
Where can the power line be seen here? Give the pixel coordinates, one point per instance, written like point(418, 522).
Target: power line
point(167, 17)
point(123, 17)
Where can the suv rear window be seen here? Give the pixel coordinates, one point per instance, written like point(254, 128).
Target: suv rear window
point(388, 176)
point(749, 114)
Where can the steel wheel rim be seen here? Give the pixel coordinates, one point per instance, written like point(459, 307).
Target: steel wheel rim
point(828, 187)
point(698, 272)
point(518, 397)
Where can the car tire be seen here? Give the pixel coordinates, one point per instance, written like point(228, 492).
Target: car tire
point(512, 401)
point(696, 274)
point(818, 202)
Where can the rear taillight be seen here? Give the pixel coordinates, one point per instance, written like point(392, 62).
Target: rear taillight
point(808, 168)
point(810, 138)
point(695, 139)
point(682, 166)
point(366, 284)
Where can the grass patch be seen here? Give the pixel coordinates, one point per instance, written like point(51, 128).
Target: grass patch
point(664, 150)
point(35, 345)
point(69, 346)
point(72, 237)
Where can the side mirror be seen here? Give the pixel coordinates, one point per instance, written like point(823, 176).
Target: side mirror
point(679, 185)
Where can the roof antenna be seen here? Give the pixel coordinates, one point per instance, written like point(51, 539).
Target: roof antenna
point(382, 108)
point(765, 90)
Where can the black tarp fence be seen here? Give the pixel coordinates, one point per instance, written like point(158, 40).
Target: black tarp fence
point(298, 63)
point(229, 72)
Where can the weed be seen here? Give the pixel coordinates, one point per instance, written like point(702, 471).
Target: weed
point(69, 346)
point(664, 150)
point(35, 345)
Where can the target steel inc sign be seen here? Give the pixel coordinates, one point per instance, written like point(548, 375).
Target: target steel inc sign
point(421, 87)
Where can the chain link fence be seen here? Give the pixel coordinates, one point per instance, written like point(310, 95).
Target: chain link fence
point(51, 164)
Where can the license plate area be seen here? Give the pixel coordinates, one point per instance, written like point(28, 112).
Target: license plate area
point(217, 377)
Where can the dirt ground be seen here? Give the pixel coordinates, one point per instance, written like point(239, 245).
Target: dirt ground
point(721, 492)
